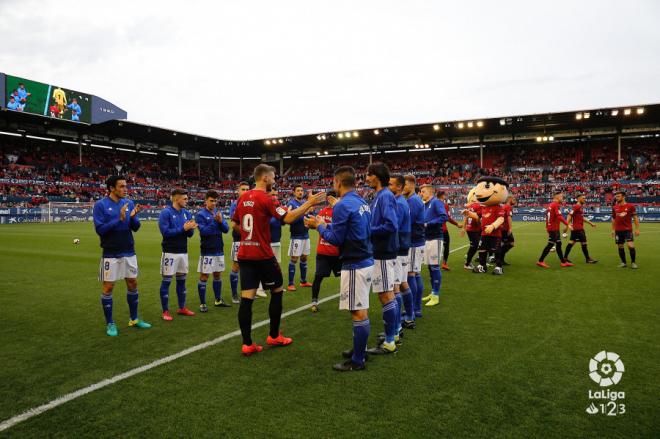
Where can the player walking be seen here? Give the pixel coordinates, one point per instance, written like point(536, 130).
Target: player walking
point(576, 219)
point(623, 215)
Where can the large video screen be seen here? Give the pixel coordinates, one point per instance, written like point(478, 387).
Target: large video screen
point(47, 100)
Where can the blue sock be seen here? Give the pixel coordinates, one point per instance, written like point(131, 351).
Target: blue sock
point(201, 289)
point(303, 272)
point(407, 298)
point(420, 294)
point(181, 290)
point(389, 317)
point(165, 292)
point(412, 284)
point(361, 329)
point(436, 279)
point(233, 282)
point(217, 289)
point(292, 272)
point(106, 303)
point(132, 299)
point(399, 309)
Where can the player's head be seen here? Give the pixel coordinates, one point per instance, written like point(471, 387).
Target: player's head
point(242, 187)
point(179, 197)
point(426, 192)
point(211, 199)
point(344, 179)
point(620, 197)
point(396, 184)
point(117, 186)
point(11, 98)
point(581, 198)
point(410, 185)
point(441, 195)
point(298, 192)
point(264, 176)
point(512, 200)
point(558, 196)
point(378, 175)
point(491, 191)
point(74, 101)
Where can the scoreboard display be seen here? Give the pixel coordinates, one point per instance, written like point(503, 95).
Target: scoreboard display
point(25, 95)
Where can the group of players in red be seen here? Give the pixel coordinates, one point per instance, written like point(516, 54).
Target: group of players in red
point(624, 215)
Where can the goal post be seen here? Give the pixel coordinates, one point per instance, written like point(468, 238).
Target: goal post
point(67, 211)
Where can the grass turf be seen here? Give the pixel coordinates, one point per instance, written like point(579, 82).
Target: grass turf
point(500, 356)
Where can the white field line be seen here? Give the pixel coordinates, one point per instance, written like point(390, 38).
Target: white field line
point(130, 373)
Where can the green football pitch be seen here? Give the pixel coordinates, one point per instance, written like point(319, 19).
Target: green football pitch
point(498, 357)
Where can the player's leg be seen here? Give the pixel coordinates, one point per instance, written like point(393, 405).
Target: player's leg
point(436, 273)
point(295, 250)
point(445, 250)
point(619, 239)
point(496, 248)
point(354, 297)
point(322, 270)
point(483, 257)
point(420, 281)
point(546, 250)
point(303, 264)
point(204, 268)
point(408, 317)
point(250, 278)
point(569, 246)
point(383, 285)
point(130, 273)
point(632, 251)
point(233, 275)
point(108, 276)
point(167, 271)
point(181, 261)
point(271, 277)
point(472, 250)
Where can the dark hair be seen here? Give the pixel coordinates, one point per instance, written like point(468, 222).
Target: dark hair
point(623, 194)
point(381, 171)
point(211, 194)
point(331, 194)
point(400, 181)
point(410, 177)
point(346, 175)
point(558, 192)
point(489, 179)
point(243, 183)
point(298, 186)
point(261, 170)
point(440, 194)
point(580, 195)
point(112, 180)
point(178, 191)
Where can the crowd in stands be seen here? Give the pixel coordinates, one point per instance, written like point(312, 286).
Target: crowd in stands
point(35, 172)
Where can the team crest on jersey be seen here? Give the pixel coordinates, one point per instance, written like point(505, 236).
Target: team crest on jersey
point(281, 211)
point(364, 208)
point(622, 214)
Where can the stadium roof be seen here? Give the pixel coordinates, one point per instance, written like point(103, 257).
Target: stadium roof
point(581, 124)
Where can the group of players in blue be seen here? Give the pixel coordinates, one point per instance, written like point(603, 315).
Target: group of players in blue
point(381, 248)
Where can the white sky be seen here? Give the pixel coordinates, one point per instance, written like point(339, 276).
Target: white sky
point(265, 68)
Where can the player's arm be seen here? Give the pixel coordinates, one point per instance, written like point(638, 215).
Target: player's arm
point(569, 218)
point(636, 221)
point(436, 214)
point(451, 220)
point(292, 215)
point(100, 224)
point(386, 220)
point(189, 227)
point(224, 227)
point(134, 221)
point(561, 218)
point(335, 232)
point(613, 221)
point(167, 229)
point(205, 227)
